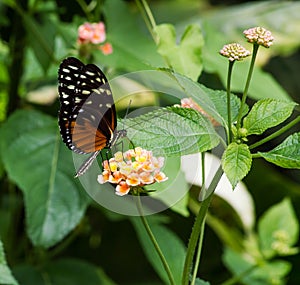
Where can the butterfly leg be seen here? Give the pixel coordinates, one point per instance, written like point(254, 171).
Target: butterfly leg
point(86, 165)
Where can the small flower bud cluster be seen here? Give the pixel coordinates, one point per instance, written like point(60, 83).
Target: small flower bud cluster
point(281, 243)
point(234, 52)
point(135, 167)
point(260, 36)
point(95, 34)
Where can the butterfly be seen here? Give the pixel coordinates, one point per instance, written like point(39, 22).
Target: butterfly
point(87, 116)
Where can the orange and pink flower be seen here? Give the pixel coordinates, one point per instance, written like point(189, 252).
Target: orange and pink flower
point(135, 167)
point(94, 34)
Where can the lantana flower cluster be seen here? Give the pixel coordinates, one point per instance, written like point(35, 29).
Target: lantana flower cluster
point(94, 34)
point(260, 36)
point(132, 169)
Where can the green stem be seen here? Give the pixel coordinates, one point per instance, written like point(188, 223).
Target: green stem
point(229, 134)
point(149, 13)
point(254, 53)
point(202, 196)
point(85, 9)
point(148, 17)
point(196, 231)
point(276, 134)
point(154, 242)
point(198, 256)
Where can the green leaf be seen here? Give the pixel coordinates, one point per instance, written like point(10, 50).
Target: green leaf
point(38, 162)
point(41, 37)
point(278, 230)
point(287, 154)
point(265, 114)
point(236, 162)
point(255, 274)
point(5, 274)
point(62, 272)
point(213, 102)
point(272, 272)
point(235, 262)
point(171, 246)
point(185, 57)
point(172, 131)
point(174, 87)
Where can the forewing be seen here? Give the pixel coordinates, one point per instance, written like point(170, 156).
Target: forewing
point(87, 116)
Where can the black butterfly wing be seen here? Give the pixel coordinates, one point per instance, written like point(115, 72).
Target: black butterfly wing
point(87, 116)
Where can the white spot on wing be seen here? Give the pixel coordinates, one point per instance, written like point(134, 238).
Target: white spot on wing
point(90, 73)
point(73, 67)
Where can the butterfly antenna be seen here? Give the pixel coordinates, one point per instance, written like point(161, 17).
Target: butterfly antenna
point(127, 111)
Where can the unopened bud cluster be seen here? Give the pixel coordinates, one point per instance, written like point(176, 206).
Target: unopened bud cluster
point(234, 52)
point(260, 36)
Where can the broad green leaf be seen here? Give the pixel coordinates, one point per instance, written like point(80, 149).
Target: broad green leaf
point(172, 131)
point(255, 274)
point(265, 114)
point(5, 274)
point(287, 154)
point(278, 230)
point(213, 102)
point(271, 272)
point(37, 161)
point(235, 262)
point(185, 57)
point(174, 87)
point(62, 272)
point(170, 245)
point(236, 162)
point(41, 38)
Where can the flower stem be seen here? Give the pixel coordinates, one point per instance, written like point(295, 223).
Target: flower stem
point(229, 134)
point(254, 53)
point(154, 241)
point(197, 228)
point(199, 250)
point(148, 17)
point(202, 196)
point(276, 134)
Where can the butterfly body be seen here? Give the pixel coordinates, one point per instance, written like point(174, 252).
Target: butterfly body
point(87, 116)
